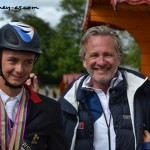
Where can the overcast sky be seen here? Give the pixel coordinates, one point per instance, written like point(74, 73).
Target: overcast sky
point(49, 10)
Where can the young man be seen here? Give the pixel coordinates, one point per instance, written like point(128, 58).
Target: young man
point(28, 121)
point(109, 107)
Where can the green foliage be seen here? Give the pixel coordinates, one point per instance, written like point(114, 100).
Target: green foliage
point(131, 50)
point(67, 38)
point(132, 57)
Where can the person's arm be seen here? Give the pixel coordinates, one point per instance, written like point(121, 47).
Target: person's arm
point(33, 82)
point(146, 140)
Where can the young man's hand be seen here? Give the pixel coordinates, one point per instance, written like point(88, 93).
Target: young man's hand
point(146, 136)
point(33, 82)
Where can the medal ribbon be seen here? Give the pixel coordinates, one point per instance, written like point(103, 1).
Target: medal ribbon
point(12, 139)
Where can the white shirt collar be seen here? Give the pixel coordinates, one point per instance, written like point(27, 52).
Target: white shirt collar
point(114, 81)
point(6, 97)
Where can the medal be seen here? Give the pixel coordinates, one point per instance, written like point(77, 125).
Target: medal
point(11, 139)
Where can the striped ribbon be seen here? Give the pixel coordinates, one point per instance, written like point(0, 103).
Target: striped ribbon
point(11, 139)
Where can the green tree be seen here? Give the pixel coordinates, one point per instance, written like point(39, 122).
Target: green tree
point(65, 43)
point(131, 51)
point(132, 56)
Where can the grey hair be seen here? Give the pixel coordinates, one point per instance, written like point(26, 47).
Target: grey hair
point(103, 30)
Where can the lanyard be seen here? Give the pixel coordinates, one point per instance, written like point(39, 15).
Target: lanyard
point(108, 127)
point(11, 139)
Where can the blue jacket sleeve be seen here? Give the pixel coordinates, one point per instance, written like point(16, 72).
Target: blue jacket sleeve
point(146, 146)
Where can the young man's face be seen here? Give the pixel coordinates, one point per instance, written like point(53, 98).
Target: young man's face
point(17, 66)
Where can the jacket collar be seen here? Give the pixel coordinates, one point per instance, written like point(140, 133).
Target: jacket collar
point(75, 93)
point(69, 98)
point(33, 95)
